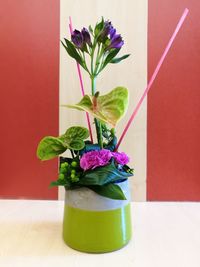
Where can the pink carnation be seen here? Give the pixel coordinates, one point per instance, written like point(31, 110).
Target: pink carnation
point(120, 157)
point(93, 159)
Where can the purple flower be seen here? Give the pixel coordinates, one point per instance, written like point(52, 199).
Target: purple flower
point(107, 29)
point(93, 159)
point(77, 39)
point(112, 33)
point(86, 36)
point(116, 41)
point(120, 157)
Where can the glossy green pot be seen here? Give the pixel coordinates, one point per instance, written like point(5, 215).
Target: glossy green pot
point(96, 224)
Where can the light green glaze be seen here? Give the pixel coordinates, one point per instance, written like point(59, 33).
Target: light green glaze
point(97, 231)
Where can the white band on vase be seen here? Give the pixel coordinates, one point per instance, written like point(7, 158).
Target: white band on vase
point(86, 199)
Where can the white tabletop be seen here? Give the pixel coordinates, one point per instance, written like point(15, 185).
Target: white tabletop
point(164, 235)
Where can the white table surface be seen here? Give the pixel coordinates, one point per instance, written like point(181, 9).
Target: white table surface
point(164, 234)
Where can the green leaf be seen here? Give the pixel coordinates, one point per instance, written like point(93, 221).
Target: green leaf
point(71, 50)
point(112, 191)
point(109, 108)
point(118, 59)
point(99, 27)
point(90, 29)
point(50, 147)
point(74, 136)
point(76, 144)
point(77, 132)
point(103, 175)
point(89, 147)
point(110, 56)
point(59, 183)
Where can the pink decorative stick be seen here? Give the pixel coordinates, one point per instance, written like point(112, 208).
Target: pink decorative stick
point(81, 84)
point(153, 76)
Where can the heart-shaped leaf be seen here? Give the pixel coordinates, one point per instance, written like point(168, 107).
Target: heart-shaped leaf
point(74, 136)
point(77, 132)
point(76, 144)
point(50, 147)
point(109, 108)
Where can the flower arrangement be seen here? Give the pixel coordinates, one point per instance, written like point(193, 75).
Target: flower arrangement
point(97, 166)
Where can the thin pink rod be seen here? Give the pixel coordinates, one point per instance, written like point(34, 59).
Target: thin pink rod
point(81, 84)
point(153, 76)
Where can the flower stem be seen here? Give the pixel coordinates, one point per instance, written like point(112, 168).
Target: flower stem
point(93, 84)
point(97, 122)
point(100, 141)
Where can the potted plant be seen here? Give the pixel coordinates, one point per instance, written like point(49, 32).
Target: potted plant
point(95, 177)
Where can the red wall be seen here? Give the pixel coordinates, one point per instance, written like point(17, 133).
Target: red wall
point(173, 169)
point(29, 53)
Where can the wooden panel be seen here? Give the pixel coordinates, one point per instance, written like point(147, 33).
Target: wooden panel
point(132, 73)
point(29, 52)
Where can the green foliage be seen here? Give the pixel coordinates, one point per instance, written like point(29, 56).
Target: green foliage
point(72, 52)
point(103, 175)
point(110, 56)
point(117, 60)
point(50, 147)
point(110, 137)
point(109, 108)
point(60, 182)
point(69, 174)
point(89, 147)
point(99, 27)
point(101, 48)
point(102, 180)
point(77, 132)
point(90, 29)
point(74, 136)
point(112, 191)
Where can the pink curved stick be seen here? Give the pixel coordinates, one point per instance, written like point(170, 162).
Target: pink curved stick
point(81, 84)
point(153, 76)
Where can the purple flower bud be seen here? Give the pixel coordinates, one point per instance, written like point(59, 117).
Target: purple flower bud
point(112, 33)
point(106, 31)
point(86, 36)
point(116, 42)
point(77, 39)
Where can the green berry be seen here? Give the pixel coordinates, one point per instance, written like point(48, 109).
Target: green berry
point(64, 165)
point(74, 164)
point(74, 178)
point(73, 171)
point(73, 175)
point(61, 176)
point(63, 170)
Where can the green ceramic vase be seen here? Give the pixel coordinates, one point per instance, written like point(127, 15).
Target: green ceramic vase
point(96, 224)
